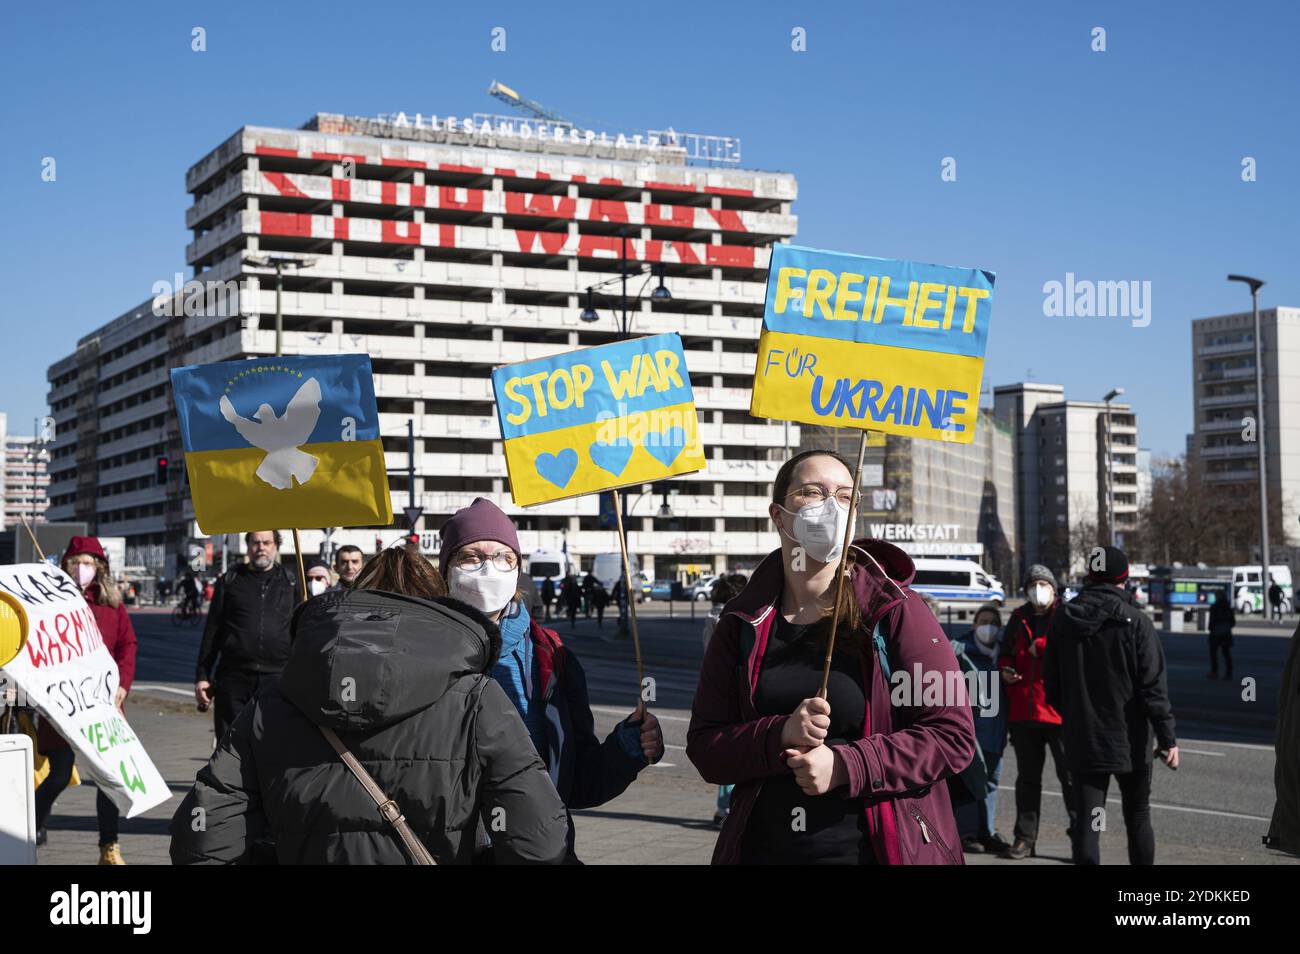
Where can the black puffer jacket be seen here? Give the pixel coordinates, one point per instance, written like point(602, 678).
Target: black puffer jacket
point(1104, 672)
point(404, 683)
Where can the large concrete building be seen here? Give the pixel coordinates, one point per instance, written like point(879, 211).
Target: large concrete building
point(1071, 457)
point(1224, 404)
point(24, 482)
point(443, 248)
point(937, 498)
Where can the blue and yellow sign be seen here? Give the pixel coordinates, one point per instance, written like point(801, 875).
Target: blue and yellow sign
point(599, 418)
point(872, 343)
point(283, 442)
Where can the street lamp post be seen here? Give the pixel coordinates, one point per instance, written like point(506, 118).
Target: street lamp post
point(589, 315)
point(279, 263)
point(1110, 463)
point(1255, 285)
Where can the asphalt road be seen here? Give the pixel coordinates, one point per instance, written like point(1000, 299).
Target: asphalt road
point(1213, 810)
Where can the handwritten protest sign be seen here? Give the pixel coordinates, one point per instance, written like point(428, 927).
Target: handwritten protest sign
point(599, 418)
point(68, 674)
point(872, 343)
point(283, 442)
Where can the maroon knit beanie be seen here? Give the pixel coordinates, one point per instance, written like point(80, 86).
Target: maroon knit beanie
point(481, 520)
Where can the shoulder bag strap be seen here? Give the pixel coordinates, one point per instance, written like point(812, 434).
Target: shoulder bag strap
point(389, 810)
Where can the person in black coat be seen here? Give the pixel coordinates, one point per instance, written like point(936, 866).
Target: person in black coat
point(1104, 672)
point(1222, 620)
point(401, 673)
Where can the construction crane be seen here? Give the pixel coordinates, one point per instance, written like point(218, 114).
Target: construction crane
point(504, 93)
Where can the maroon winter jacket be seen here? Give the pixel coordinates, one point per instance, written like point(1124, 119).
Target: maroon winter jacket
point(119, 639)
point(1027, 699)
point(904, 751)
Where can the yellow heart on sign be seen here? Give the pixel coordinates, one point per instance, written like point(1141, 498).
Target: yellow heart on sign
point(13, 628)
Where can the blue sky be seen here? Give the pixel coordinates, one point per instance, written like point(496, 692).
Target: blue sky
point(1116, 166)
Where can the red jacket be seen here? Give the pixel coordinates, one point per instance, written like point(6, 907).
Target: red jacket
point(1027, 699)
point(119, 639)
point(904, 751)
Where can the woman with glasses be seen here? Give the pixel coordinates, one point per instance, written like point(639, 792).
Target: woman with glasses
point(480, 560)
point(849, 778)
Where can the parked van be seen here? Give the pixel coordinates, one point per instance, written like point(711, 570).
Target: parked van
point(960, 586)
point(552, 565)
point(1249, 596)
point(608, 569)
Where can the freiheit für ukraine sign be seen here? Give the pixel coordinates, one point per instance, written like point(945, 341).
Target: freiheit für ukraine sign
point(283, 442)
point(872, 343)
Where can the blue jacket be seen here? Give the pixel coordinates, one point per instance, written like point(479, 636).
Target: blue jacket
point(991, 711)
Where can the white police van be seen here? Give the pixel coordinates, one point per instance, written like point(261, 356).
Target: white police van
point(961, 586)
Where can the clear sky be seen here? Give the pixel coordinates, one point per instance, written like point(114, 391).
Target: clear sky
point(1123, 165)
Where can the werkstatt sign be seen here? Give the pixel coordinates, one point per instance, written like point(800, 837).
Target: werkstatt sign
point(596, 419)
point(872, 343)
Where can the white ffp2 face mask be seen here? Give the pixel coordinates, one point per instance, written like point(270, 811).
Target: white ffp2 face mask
point(85, 574)
point(986, 634)
point(1040, 594)
point(819, 529)
point(316, 587)
point(487, 589)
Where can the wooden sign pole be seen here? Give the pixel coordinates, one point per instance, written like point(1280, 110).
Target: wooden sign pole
point(302, 573)
point(844, 563)
point(627, 593)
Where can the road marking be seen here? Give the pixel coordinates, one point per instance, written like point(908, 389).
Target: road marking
point(179, 692)
point(1217, 755)
point(1234, 745)
point(624, 712)
point(1115, 800)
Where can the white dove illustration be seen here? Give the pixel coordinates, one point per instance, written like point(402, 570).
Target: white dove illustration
point(280, 436)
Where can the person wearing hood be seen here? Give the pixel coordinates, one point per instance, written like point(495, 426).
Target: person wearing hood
point(975, 791)
point(85, 561)
point(541, 676)
point(318, 577)
point(846, 779)
point(1104, 671)
point(400, 673)
point(1035, 726)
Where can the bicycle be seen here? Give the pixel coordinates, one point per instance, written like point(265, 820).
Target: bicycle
point(186, 613)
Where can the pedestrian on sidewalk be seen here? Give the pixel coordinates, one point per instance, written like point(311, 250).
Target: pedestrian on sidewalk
point(1034, 725)
point(540, 675)
point(85, 561)
point(845, 779)
point(246, 638)
point(1222, 620)
point(1105, 673)
point(975, 791)
point(1275, 597)
point(725, 588)
point(572, 597)
point(599, 599)
point(548, 597)
point(399, 673)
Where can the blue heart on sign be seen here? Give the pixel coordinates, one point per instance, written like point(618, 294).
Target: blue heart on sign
point(558, 468)
point(666, 446)
point(612, 456)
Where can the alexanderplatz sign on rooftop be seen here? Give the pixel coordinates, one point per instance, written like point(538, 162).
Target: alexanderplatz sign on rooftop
point(515, 131)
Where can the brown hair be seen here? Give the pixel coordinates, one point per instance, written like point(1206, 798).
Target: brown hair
point(109, 594)
point(850, 615)
point(401, 570)
point(988, 608)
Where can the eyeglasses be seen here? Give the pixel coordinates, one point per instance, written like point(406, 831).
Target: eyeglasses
point(816, 493)
point(503, 560)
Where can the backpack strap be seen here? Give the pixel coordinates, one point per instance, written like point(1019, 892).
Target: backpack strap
point(389, 810)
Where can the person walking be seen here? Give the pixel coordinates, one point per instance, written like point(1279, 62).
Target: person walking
point(246, 637)
point(1104, 671)
point(849, 778)
point(348, 560)
point(1222, 620)
point(85, 561)
point(1035, 726)
point(1275, 597)
point(572, 596)
point(975, 791)
point(548, 597)
point(599, 600)
point(399, 674)
point(480, 558)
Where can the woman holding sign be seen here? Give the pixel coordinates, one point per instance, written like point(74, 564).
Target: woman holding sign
point(845, 779)
point(84, 560)
point(541, 676)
